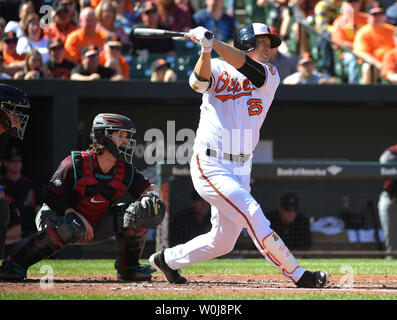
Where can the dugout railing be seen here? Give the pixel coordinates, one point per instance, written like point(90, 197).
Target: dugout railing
point(346, 190)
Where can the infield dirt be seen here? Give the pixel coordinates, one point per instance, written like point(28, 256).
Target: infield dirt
point(202, 284)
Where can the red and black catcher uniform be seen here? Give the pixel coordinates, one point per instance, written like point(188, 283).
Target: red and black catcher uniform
point(79, 183)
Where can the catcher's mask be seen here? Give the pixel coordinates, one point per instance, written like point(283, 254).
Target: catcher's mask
point(245, 40)
point(14, 107)
point(121, 145)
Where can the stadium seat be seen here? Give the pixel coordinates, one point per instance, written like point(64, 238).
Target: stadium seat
point(184, 66)
point(314, 52)
point(184, 47)
point(339, 68)
point(138, 69)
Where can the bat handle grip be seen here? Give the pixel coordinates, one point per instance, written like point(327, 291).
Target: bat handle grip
point(208, 35)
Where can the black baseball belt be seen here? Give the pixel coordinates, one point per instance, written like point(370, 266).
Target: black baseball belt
point(238, 158)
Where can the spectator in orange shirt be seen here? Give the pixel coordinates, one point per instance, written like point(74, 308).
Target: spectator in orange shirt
point(348, 22)
point(63, 21)
point(371, 43)
point(389, 62)
point(84, 36)
point(106, 14)
point(111, 57)
point(345, 27)
point(13, 62)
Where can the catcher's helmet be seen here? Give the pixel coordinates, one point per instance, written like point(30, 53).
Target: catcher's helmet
point(245, 40)
point(14, 107)
point(104, 125)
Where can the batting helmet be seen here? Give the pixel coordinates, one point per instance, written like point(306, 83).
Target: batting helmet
point(104, 125)
point(14, 107)
point(245, 40)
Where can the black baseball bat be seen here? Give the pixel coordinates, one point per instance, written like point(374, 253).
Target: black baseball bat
point(161, 33)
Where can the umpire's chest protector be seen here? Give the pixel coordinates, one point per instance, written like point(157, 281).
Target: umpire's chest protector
point(94, 191)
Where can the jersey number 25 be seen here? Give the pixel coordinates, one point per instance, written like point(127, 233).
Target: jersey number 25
point(254, 107)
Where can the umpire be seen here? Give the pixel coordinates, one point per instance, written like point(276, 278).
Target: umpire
point(94, 195)
point(387, 205)
point(14, 107)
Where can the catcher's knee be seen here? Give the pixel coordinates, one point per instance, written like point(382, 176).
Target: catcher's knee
point(67, 229)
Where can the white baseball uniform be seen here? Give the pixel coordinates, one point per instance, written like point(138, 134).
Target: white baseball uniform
point(232, 113)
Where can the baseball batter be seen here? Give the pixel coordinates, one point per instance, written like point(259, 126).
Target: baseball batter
point(237, 93)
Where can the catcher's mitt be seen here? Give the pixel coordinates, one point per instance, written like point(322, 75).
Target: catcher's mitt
point(146, 212)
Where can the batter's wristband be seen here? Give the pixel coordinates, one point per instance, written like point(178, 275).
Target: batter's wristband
point(206, 49)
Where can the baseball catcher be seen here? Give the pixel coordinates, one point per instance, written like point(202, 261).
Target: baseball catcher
point(94, 195)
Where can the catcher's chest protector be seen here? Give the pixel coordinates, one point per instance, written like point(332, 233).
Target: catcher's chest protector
point(95, 191)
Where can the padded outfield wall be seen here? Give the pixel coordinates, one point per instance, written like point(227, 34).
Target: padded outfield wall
point(330, 122)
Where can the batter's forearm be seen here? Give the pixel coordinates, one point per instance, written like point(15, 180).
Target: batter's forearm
point(203, 66)
point(230, 54)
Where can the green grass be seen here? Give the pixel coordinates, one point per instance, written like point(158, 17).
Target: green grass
point(229, 266)
point(301, 296)
point(216, 266)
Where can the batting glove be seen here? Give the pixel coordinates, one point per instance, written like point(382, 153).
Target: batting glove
point(197, 35)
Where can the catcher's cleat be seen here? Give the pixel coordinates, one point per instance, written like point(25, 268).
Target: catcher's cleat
point(10, 271)
point(311, 279)
point(173, 276)
point(139, 273)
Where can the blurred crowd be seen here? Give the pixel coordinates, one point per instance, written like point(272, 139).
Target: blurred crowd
point(324, 41)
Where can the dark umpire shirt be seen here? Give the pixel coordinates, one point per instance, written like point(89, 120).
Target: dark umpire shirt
point(3, 144)
point(58, 190)
point(26, 195)
point(104, 72)
point(297, 235)
point(15, 215)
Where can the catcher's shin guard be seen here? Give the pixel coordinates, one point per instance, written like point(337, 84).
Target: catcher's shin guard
point(65, 230)
point(277, 253)
point(129, 250)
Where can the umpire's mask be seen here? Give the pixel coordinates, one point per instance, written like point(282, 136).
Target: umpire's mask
point(14, 107)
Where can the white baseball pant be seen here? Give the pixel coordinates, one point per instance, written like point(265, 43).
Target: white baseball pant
point(232, 209)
